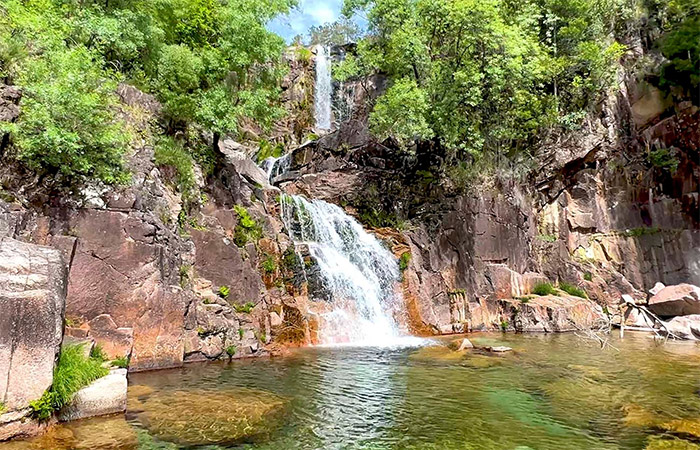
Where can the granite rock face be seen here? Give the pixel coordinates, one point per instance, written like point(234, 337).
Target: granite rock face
point(32, 300)
point(33, 283)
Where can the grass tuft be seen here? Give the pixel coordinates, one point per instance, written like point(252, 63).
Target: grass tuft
point(544, 289)
point(572, 290)
point(73, 372)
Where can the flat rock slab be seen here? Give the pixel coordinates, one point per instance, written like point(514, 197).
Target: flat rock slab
point(678, 300)
point(499, 349)
point(106, 395)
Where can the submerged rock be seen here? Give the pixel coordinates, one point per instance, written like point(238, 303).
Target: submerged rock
point(205, 417)
point(499, 349)
point(437, 353)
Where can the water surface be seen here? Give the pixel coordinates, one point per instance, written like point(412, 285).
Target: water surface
point(551, 392)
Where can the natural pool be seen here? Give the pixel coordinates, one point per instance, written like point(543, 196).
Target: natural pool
point(551, 392)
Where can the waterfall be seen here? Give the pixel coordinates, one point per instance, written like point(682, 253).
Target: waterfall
point(275, 167)
point(359, 275)
point(322, 95)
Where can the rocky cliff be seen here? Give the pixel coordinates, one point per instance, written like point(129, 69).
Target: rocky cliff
point(164, 280)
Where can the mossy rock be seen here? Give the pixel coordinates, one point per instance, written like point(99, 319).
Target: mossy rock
point(483, 361)
point(206, 417)
point(685, 427)
point(665, 443)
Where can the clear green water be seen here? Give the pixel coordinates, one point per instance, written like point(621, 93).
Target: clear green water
point(552, 392)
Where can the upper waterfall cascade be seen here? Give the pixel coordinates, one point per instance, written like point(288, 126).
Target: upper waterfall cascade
point(324, 89)
point(358, 272)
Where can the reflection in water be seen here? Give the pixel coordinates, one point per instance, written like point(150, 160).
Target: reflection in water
point(552, 392)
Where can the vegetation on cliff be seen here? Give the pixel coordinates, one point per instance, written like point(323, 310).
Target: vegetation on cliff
point(210, 63)
point(495, 77)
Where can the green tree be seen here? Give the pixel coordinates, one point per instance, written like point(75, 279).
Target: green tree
point(340, 32)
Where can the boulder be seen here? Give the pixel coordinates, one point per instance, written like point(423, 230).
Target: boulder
point(678, 300)
point(236, 156)
point(657, 288)
point(115, 342)
point(32, 302)
point(685, 327)
point(551, 314)
point(103, 396)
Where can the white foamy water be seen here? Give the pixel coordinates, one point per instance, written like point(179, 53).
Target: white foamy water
point(359, 275)
point(323, 89)
point(275, 167)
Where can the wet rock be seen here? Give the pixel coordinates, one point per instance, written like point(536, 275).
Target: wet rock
point(466, 344)
point(499, 349)
point(212, 417)
point(437, 353)
point(104, 433)
point(106, 395)
point(678, 300)
point(685, 327)
point(32, 300)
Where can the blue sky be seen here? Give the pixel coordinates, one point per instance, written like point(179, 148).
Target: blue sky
point(308, 13)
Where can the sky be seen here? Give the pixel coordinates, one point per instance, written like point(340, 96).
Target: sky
point(308, 13)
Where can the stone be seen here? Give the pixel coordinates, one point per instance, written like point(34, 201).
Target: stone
point(106, 395)
point(118, 270)
point(235, 156)
point(499, 349)
point(205, 417)
point(685, 327)
point(550, 313)
point(461, 344)
point(32, 301)
point(9, 100)
point(115, 342)
point(678, 300)
point(657, 288)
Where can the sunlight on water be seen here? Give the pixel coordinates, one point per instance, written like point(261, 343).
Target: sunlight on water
point(552, 392)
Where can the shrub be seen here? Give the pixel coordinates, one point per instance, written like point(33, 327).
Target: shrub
point(544, 289)
point(170, 152)
point(231, 350)
point(547, 237)
point(247, 228)
point(504, 325)
point(245, 308)
point(588, 276)
point(121, 362)
point(2, 407)
point(404, 260)
point(73, 372)
point(223, 292)
point(269, 265)
point(664, 159)
point(68, 124)
point(240, 333)
point(640, 231)
point(269, 150)
point(572, 290)
point(98, 353)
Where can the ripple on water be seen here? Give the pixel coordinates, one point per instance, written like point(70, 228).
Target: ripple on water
point(551, 393)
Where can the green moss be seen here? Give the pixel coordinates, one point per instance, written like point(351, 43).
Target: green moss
point(588, 276)
point(544, 289)
point(240, 333)
point(223, 292)
point(245, 308)
point(665, 159)
point(547, 237)
point(2, 407)
point(572, 290)
point(524, 299)
point(247, 228)
point(269, 265)
point(231, 350)
point(73, 372)
point(640, 231)
point(184, 273)
point(404, 260)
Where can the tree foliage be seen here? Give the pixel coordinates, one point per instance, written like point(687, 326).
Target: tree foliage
point(210, 62)
point(340, 32)
point(492, 73)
